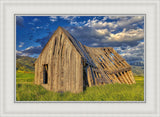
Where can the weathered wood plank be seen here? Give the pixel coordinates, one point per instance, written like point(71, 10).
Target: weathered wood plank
point(91, 51)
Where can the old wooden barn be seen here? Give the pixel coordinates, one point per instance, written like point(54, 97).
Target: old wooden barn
point(66, 65)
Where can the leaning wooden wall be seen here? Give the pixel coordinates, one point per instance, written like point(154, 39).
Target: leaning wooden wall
point(65, 69)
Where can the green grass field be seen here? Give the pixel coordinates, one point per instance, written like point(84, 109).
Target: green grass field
point(26, 90)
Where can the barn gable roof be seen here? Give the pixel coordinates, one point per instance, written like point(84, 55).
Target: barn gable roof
point(77, 44)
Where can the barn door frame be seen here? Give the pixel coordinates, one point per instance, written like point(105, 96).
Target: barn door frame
point(45, 73)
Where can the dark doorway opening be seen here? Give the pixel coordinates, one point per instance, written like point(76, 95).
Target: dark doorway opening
point(45, 73)
point(85, 81)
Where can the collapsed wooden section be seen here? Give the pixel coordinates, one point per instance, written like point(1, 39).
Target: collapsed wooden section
point(66, 65)
point(111, 67)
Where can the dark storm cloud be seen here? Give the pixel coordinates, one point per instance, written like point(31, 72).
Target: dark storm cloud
point(123, 44)
point(86, 32)
point(87, 35)
point(42, 41)
point(102, 37)
point(131, 54)
point(133, 58)
point(19, 21)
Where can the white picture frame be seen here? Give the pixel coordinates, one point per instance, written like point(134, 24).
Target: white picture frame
point(149, 107)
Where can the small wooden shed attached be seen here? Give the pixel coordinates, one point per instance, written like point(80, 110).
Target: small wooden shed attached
point(66, 65)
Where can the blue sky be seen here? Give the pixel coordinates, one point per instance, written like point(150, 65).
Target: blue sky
point(123, 33)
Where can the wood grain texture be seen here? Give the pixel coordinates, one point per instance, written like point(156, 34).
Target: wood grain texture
point(64, 65)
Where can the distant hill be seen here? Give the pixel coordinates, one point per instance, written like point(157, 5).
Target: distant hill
point(138, 70)
point(138, 63)
point(25, 63)
point(137, 67)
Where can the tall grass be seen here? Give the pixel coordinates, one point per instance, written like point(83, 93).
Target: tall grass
point(26, 90)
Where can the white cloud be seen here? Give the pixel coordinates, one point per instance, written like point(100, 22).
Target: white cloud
point(116, 17)
point(77, 23)
point(105, 37)
point(94, 44)
point(72, 20)
point(21, 54)
point(65, 17)
point(100, 24)
point(102, 31)
point(127, 35)
point(132, 53)
point(120, 22)
point(31, 47)
point(31, 23)
point(74, 23)
point(18, 52)
point(39, 27)
point(21, 44)
point(35, 19)
point(53, 18)
point(105, 18)
point(68, 17)
point(30, 51)
point(125, 21)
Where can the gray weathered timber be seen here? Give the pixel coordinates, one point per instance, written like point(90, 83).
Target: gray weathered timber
point(66, 65)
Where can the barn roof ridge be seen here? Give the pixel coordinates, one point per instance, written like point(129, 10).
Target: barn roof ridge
point(79, 46)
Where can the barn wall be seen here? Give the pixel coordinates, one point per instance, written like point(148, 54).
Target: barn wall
point(65, 70)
